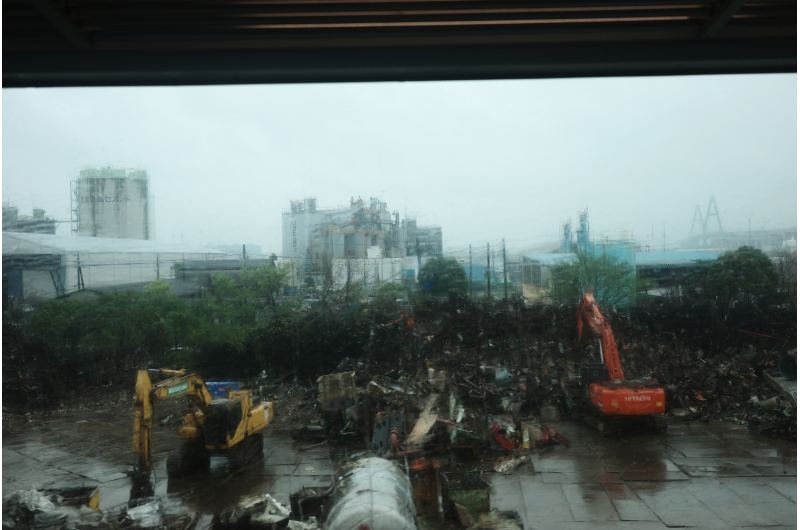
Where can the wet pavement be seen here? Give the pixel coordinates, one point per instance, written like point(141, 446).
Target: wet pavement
point(716, 475)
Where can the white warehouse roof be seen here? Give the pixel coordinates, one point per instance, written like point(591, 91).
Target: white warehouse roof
point(25, 243)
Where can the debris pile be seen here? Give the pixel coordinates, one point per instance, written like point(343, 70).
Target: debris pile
point(516, 361)
point(45, 510)
point(294, 402)
point(254, 512)
point(35, 509)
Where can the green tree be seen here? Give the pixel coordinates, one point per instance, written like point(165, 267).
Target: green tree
point(240, 297)
point(162, 318)
point(612, 280)
point(265, 285)
point(61, 323)
point(113, 327)
point(439, 275)
point(384, 305)
point(743, 276)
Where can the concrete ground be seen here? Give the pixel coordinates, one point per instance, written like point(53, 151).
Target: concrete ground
point(717, 475)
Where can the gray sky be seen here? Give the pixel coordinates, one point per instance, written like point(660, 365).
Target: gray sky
point(485, 160)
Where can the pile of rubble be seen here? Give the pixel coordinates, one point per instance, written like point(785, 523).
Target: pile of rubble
point(78, 509)
point(517, 361)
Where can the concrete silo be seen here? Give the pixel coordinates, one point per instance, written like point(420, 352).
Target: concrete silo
point(112, 202)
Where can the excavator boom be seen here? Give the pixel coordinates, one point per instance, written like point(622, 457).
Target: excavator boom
point(180, 383)
point(592, 321)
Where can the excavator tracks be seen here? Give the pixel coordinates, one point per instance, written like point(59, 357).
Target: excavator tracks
point(244, 452)
point(619, 425)
point(189, 458)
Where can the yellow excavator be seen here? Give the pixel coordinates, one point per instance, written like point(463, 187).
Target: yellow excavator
point(230, 427)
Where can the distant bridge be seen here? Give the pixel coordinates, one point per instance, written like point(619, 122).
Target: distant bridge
point(761, 239)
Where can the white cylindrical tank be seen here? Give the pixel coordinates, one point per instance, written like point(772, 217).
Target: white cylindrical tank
point(114, 203)
point(372, 494)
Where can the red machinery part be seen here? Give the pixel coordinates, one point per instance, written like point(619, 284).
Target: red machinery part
point(501, 439)
point(550, 434)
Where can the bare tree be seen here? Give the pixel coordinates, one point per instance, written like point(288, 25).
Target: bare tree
point(325, 267)
point(351, 272)
point(353, 276)
point(343, 280)
point(16, 305)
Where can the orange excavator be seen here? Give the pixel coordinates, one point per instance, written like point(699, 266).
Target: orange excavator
point(615, 405)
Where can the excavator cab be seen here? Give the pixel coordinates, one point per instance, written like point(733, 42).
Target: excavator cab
point(593, 373)
point(222, 419)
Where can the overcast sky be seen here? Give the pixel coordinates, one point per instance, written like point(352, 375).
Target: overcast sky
point(484, 160)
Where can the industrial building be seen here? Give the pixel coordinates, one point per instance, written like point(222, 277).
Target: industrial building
point(668, 268)
point(46, 266)
point(364, 230)
point(112, 203)
point(38, 223)
point(248, 249)
point(664, 268)
point(180, 288)
point(202, 271)
point(536, 267)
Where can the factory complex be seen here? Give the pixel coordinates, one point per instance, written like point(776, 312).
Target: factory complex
point(112, 244)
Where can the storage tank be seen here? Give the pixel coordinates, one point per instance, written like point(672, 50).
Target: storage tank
point(114, 203)
point(372, 494)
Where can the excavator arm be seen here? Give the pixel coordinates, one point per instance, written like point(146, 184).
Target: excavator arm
point(591, 322)
point(179, 383)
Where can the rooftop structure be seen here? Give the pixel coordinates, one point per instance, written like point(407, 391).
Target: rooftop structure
point(38, 223)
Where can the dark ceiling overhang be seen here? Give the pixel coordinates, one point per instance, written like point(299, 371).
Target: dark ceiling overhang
point(174, 42)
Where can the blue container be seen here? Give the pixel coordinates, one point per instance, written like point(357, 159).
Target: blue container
point(222, 389)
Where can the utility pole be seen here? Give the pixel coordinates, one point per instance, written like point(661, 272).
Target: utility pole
point(488, 274)
point(158, 277)
point(505, 282)
point(470, 270)
point(664, 235)
point(80, 274)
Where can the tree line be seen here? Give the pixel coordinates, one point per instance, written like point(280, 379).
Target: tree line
point(252, 321)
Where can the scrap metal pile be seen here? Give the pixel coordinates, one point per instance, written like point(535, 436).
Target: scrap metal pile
point(78, 509)
point(513, 360)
